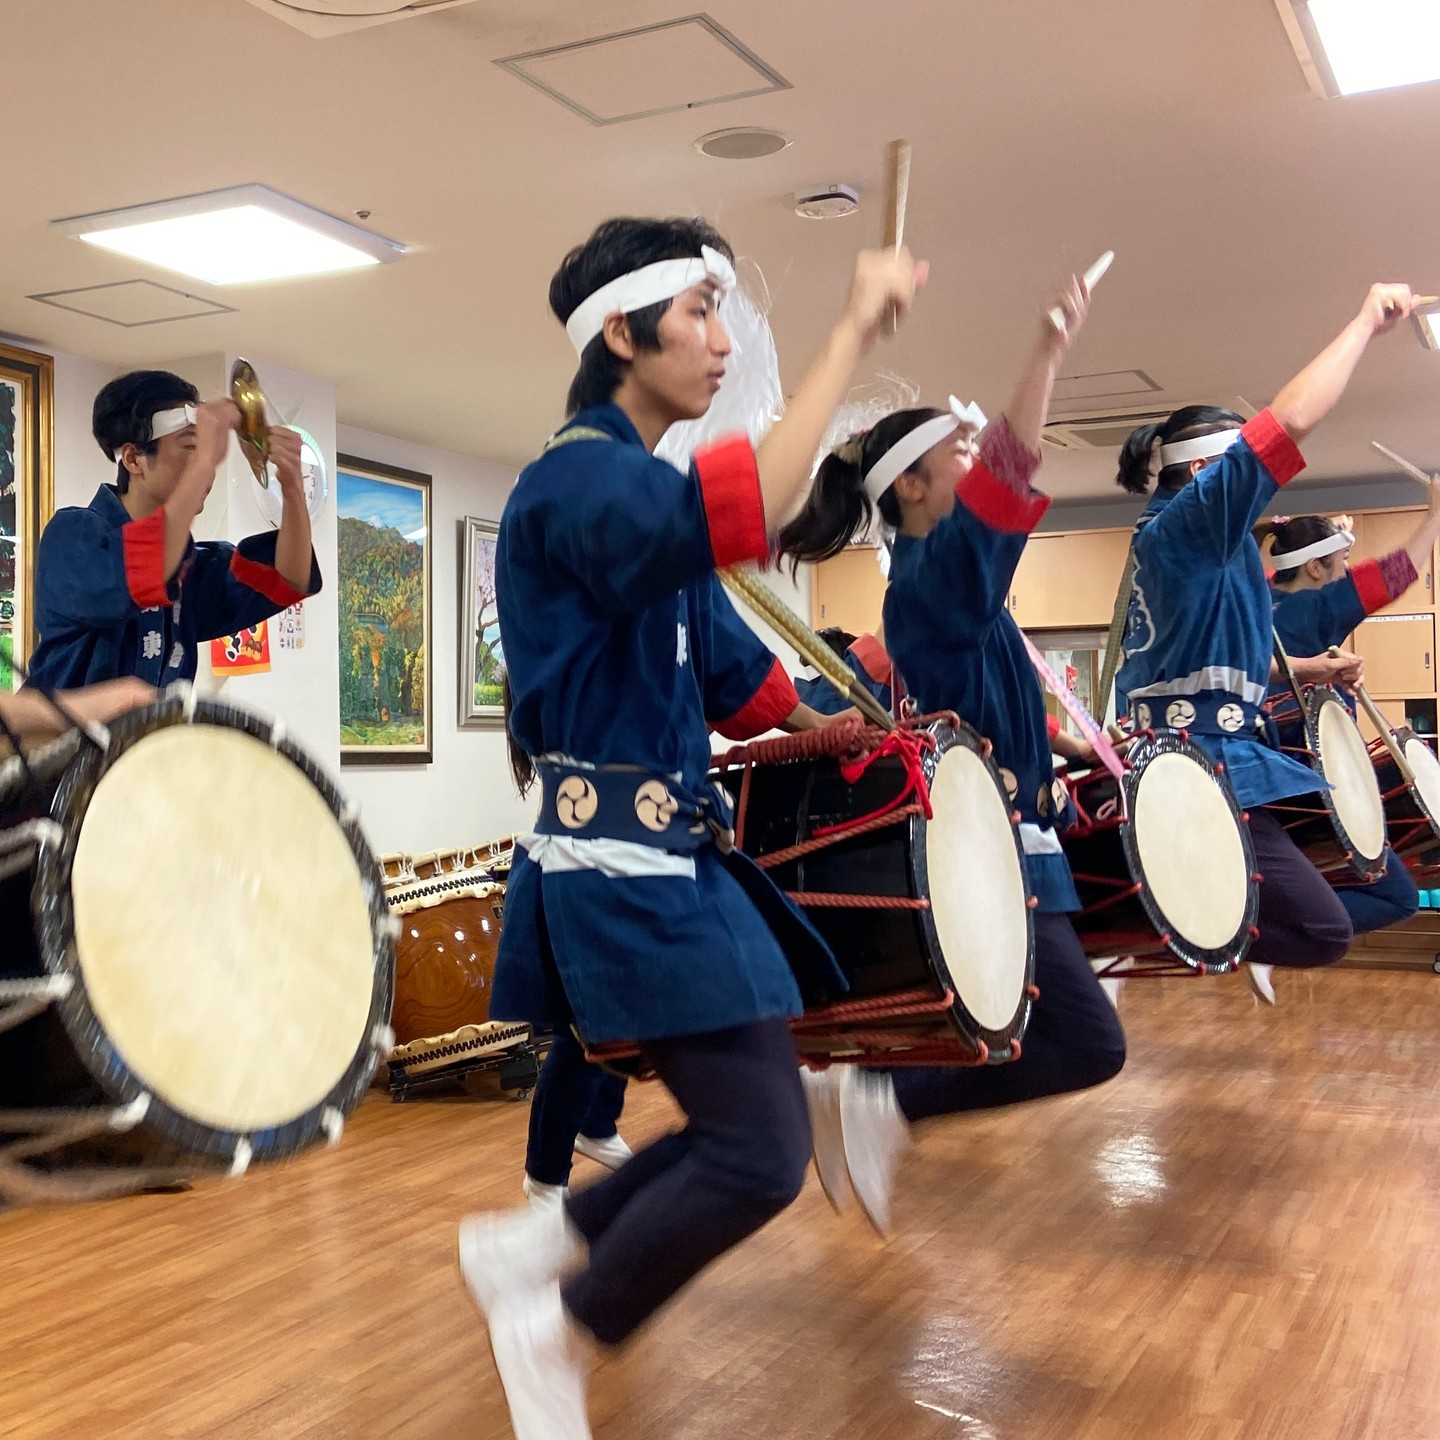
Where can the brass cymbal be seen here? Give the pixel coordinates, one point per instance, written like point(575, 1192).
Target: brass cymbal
point(254, 430)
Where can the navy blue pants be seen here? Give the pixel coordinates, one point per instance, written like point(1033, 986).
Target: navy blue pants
point(1389, 900)
point(1074, 1040)
point(1302, 920)
point(682, 1202)
point(572, 1097)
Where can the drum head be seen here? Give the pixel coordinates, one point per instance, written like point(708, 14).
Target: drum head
point(1426, 769)
point(226, 927)
point(976, 884)
point(1191, 851)
point(1355, 792)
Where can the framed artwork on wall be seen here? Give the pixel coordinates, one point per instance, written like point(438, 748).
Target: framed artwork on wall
point(27, 494)
point(482, 658)
point(383, 579)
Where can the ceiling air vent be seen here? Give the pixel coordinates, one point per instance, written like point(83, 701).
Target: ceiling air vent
point(324, 18)
point(1098, 432)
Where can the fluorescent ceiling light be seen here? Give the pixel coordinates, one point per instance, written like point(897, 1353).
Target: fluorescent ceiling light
point(1347, 47)
point(1427, 324)
point(230, 237)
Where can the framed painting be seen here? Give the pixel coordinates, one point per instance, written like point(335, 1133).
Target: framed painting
point(27, 495)
point(482, 658)
point(383, 577)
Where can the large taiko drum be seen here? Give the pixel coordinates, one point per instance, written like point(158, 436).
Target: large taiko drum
point(1412, 809)
point(1340, 830)
point(197, 954)
point(929, 919)
point(450, 917)
point(1170, 872)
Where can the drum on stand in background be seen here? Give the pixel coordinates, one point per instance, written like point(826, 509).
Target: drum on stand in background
point(1169, 876)
point(197, 955)
point(1412, 811)
point(929, 919)
point(1341, 831)
point(450, 915)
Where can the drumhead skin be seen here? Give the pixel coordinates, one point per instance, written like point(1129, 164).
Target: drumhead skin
point(977, 889)
point(1426, 769)
point(1192, 851)
point(1346, 764)
point(226, 925)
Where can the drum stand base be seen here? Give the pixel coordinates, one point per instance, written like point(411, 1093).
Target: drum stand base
point(518, 1067)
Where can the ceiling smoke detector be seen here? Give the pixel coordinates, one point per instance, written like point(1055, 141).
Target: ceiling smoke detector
point(742, 142)
point(826, 202)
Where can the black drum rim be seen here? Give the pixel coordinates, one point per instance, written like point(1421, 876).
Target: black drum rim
point(1316, 698)
point(997, 1042)
point(54, 922)
point(1224, 958)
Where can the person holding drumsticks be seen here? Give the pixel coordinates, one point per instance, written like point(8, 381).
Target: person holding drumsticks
point(1319, 599)
point(1198, 647)
point(960, 518)
point(628, 912)
point(121, 587)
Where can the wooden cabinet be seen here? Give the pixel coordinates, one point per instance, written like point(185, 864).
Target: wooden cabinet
point(850, 591)
point(1382, 531)
point(1069, 581)
point(1392, 710)
point(1399, 653)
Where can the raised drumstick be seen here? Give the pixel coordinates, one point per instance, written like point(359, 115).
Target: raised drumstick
point(897, 197)
point(1092, 278)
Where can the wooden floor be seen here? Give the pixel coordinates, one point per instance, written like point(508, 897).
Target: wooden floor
point(1240, 1237)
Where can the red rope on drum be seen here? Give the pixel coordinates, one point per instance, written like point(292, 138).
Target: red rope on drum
point(910, 746)
point(822, 900)
point(885, 1007)
point(806, 847)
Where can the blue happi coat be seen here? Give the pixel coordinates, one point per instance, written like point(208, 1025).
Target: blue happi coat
point(104, 608)
point(957, 648)
point(1198, 639)
point(869, 664)
point(622, 652)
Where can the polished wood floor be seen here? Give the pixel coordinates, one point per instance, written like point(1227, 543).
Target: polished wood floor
point(1240, 1237)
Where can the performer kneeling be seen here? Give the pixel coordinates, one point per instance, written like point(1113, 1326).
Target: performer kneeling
point(622, 915)
point(960, 525)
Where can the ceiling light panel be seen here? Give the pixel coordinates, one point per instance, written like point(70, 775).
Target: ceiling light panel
point(1349, 47)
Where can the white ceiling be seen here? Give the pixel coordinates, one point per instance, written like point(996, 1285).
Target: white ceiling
point(1247, 215)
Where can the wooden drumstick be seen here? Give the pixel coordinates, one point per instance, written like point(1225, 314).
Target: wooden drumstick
point(1413, 471)
point(1092, 278)
point(1381, 724)
point(897, 197)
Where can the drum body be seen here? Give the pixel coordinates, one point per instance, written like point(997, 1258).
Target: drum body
point(1412, 811)
point(207, 948)
point(446, 950)
point(929, 920)
point(1171, 873)
point(1341, 831)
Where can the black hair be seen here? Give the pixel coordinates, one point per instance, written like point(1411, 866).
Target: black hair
point(615, 248)
point(1288, 535)
point(839, 508)
point(837, 639)
point(522, 767)
point(1187, 423)
point(123, 410)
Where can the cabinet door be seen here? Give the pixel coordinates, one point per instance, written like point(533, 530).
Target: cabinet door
point(1383, 531)
point(1392, 710)
point(1399, 653)
point(850, 591)
point(1069, 581)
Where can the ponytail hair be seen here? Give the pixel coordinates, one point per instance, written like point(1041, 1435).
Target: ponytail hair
point(522, 768)
point(838, 508)
point(1141, 447)
point(1290, 535)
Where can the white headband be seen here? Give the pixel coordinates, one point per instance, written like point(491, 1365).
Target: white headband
point(1292, 559)
point(170, 422)
point(1202, 447)
point(912, 445)
point(649, 285)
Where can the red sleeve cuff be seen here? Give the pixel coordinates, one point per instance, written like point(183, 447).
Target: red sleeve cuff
point(1274, 448)
point(1052, 726)
point(991, 500)
point(1370, 585)
point(772, 703)
point(144, 546)
point(873, 659)
point(268, 581)
point(734, 506)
